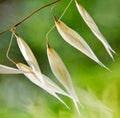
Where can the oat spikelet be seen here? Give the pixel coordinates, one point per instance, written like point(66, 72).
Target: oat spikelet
point(60, 71)
point(9, 70)
point(49, 86)
point(74, 39)
point(92, 25)
point(29, 56)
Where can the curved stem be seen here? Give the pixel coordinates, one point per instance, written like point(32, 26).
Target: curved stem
point(34, 12)
point(8, 50)
point(58, 20)
point(6, 30)
point(17, 24)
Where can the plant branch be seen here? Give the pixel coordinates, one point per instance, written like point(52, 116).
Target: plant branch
point(31, 14)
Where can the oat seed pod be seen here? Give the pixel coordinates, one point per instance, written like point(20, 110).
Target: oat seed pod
point(61, 73)
point(49, 86)
point(9, 70)
point(93, 27)
point(75, 40)
point(29, 56)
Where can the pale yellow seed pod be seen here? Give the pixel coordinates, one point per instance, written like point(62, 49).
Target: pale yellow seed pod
point(92, 25)
point(61, 73)
point(75, 40)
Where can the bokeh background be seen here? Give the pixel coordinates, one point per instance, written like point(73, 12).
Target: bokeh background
point(94, 85)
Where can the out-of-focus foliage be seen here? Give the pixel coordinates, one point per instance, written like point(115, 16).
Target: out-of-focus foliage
point(20, 98)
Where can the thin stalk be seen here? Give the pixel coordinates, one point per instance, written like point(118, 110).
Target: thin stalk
point(31, 14)
point(9, 47)
point(66, 8)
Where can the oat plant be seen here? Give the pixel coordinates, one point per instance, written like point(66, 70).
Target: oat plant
point(32, 69)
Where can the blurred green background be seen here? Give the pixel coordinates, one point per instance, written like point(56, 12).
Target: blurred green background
point(22, 99)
